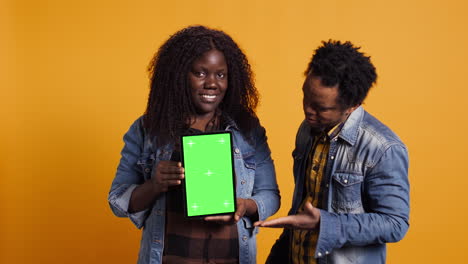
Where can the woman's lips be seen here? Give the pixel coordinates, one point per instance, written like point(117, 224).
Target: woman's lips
point(208, 98)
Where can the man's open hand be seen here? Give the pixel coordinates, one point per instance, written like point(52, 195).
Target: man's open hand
point(307, 219)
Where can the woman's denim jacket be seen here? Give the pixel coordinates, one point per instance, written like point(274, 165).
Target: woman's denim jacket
point(365, 192)
point(255, 177)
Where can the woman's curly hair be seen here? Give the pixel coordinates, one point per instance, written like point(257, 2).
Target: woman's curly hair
point(170, 105)
point(342, 64)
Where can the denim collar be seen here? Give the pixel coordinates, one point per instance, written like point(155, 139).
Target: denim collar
point(230, 123)
point(349, 132)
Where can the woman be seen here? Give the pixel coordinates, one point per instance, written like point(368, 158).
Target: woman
point(200, 82)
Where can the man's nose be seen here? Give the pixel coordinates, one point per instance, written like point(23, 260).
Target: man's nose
point(310, 110)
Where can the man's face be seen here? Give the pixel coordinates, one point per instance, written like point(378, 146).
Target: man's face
point(321, 108)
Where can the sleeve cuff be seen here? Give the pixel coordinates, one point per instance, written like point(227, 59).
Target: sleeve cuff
point(329, 233)
point(122, 203)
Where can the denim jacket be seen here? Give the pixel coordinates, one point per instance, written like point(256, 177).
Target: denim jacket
point(365, 192)
point(255, 179)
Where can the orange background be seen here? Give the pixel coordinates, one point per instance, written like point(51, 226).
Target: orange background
point(73, 78)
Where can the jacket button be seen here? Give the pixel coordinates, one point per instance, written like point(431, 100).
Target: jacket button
point(237, 151)
point(244, 238)
point(332, 157)
point(242, 182)
point(345, 181)
point(319, 254)
point(147, 170)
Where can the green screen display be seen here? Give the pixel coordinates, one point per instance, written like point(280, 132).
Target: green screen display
point(209, 178)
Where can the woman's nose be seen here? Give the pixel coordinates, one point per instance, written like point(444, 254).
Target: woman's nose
point(210, 82)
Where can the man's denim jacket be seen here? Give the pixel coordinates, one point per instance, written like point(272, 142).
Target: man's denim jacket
point(365, 192)
point(255, 179)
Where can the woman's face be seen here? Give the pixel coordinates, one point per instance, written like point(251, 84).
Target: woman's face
point(208, 79)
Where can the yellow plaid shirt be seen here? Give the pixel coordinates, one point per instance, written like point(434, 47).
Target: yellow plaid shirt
point(304, 241)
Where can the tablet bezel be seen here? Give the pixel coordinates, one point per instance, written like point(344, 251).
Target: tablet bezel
point(184, 190)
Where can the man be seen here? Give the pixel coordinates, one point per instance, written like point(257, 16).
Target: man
point(351, 171)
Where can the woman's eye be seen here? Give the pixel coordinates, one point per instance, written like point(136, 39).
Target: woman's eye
point(199, 74)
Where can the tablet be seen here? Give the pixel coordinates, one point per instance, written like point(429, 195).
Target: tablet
point(209, 184)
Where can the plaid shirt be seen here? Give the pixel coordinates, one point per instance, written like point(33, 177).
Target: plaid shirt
point(190, 241)
point(304, 242)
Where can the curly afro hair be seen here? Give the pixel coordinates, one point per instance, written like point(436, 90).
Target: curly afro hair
point(342, 64)
point(170, 104)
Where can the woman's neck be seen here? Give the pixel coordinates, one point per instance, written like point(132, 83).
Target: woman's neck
point(201, 122)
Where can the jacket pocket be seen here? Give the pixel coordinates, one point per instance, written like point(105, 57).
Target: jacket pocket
point(346, 190)
point(245, 167)
point(249, 161)
point(146, 163)
point(250, 170)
